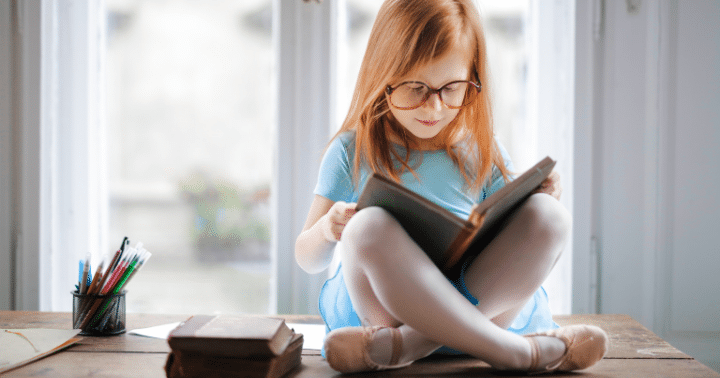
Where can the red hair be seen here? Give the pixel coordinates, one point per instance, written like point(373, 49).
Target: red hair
point(408, 34)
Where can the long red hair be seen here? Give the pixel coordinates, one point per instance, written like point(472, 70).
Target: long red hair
point(408, 34)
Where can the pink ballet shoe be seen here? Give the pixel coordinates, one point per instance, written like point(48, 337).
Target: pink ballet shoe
point(584, 346)
point(346, 349)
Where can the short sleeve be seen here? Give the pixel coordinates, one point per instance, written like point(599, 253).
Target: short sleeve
point(335, 178)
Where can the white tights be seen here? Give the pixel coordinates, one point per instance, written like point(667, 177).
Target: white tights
point(392, 282)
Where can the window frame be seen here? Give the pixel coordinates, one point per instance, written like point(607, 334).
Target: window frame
point(22, 173)
point(306, 39)
point(53, 127)
point(56, 216)
point(587, 29)
point(551, 124)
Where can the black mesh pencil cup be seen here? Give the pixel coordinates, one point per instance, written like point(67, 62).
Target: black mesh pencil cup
point(99, 315)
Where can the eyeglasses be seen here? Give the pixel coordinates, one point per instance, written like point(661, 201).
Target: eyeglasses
point(412, 94)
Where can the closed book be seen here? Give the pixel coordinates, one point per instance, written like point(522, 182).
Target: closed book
point(238, 336)
point(445, 237)
point(190, 365)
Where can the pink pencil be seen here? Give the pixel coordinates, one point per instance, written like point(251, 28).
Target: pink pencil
point(115, 276)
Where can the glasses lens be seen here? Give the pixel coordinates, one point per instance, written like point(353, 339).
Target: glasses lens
point(409, 95)
point(454, 94)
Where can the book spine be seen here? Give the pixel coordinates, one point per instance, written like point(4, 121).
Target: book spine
point(457, 249)
point(223, 347)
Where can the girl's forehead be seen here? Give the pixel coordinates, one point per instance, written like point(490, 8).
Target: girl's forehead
point(453, 65)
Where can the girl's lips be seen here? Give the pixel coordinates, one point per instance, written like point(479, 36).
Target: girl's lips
point(427, 123)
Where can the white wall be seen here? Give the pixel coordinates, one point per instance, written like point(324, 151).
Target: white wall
point(5, 154)
point(655, 168)
point(694, 298)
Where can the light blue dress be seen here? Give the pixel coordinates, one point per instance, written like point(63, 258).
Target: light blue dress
point(441, 182)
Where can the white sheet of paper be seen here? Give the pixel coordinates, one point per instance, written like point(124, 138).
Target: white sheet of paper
point(158, 332)
point(313, 334)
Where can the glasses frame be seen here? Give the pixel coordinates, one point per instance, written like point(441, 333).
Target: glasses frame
point(390, 89)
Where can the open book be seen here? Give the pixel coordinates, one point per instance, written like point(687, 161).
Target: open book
point(444, 236)
point(22, 346)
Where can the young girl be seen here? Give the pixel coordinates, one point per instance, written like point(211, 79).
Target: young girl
point(421, 115)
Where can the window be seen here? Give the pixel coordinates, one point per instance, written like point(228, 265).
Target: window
point(62, 148)
point(189, 114)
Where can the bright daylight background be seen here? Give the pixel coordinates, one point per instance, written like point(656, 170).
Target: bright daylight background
point(189, 111)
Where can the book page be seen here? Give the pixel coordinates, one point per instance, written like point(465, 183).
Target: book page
point(245, 327)
point(21, 346)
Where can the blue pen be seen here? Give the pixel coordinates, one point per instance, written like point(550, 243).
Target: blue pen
point(85, 276)
point(80, 271)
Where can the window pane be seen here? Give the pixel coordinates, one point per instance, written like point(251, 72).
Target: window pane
point(190, 114)
point(505, 35)
point(358, 24)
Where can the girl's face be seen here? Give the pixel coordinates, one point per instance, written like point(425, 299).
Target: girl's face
point(429, 119)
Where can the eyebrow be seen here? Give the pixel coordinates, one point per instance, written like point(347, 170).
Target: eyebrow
point(428, 85)
point(407, 80)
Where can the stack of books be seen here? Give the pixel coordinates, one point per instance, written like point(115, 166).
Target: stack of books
point(233, 346)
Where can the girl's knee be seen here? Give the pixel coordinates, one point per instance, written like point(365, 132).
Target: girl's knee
point(370, 229)
point(547, 216)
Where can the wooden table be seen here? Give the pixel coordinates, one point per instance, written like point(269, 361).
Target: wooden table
point(634, 351)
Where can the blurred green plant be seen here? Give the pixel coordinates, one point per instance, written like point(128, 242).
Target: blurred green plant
point(228, 222)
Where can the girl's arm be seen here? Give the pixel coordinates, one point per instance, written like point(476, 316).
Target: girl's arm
point(323, 228)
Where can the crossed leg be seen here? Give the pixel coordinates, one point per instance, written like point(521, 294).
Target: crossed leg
point(393, 283)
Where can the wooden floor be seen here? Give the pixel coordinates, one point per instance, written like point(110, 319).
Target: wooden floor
point(634, 352)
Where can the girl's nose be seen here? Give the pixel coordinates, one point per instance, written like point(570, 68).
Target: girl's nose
point(434, 102)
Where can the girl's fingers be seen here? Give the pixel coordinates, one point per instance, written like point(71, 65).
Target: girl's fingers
point(551, 185)
point(348, 214)
point(337, 229)
point(339, 215)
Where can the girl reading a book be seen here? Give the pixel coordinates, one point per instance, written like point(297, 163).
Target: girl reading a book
point(421, 115)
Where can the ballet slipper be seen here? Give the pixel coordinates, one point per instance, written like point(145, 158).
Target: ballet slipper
point(584, 346)
point(347, 349)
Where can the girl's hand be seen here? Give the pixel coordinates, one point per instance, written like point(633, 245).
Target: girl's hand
point(336, 218)
point(551, 185)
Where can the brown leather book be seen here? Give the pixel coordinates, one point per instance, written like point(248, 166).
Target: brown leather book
point(187, 365)
point(237, 336)
point(444, 236)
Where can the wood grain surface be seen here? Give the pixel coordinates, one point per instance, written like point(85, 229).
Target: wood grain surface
point(634, 351)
